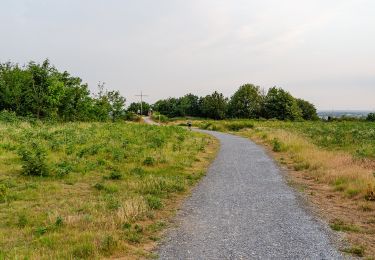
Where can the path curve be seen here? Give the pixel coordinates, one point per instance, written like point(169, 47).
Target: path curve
point(243, 209)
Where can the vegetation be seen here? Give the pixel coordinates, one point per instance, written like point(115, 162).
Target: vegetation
point(247, 102)
point(41, 91)
point(90, 190)
point(371, 117)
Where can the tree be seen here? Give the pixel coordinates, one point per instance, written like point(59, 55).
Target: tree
point(281, 105)
point(117, 103)
point(214, 106)
point(188, 105)
point(168, 107)
point(371, 117)
point(308, 109)
point(136, 108)
point(246, 102)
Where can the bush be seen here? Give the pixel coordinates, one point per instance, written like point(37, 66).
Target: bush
point(33, 160)
point(371, 117)
point(149, 161)
point(8, 117)
point(277, 146)
point(154, 202)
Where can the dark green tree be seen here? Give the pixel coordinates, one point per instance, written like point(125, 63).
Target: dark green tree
point(135, 107)
point(117, 103)
point(188, 105)
point(308, 110)
point(246, 102)
point(279, 104)
point(214, 106)
point(371, 117)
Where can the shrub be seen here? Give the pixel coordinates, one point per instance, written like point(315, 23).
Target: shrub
point(84, 250)
point(3, 193)
point(115, 175)
point(8, 117)
point(22, 221)
point(33, 160)
point(371, 117)
point(149, 161)
point(154, 202)
point(108, 244)
point(277, 146)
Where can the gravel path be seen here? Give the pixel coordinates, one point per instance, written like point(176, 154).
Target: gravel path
point(243, 209)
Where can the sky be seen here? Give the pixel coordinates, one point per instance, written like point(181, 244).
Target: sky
point(322, 51)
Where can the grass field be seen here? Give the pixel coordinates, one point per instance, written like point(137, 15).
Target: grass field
point(92, 190)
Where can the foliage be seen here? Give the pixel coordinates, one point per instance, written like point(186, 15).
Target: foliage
point(279, 104)
point(135, 107)
point(246, 102)
point(371, 117)
point(33, 159)
point(308, 110)
point(214, 106)
point(41, 91)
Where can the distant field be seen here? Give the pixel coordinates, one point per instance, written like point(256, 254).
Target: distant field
point(358, 138)
point(92, 190)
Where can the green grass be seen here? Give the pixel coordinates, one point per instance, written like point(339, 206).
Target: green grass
point(89, 190)
point(358, 138)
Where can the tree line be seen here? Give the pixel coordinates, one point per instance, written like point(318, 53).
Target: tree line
point(249, 101)
point(41, 91)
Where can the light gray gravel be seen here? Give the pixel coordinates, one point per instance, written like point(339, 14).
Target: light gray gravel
point(243, 209)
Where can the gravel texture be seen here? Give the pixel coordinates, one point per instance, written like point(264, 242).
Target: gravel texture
point(243, 209)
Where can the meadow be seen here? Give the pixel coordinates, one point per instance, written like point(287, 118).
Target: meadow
point(92, 190)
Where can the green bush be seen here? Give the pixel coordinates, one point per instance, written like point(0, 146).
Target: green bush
point(8, 117)
point(277, 146)
point(33, 159)
point(154, 202)
point(371, 117)
point(149, 161)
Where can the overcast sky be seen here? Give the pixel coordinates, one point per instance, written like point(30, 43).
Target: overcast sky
point(319, 50)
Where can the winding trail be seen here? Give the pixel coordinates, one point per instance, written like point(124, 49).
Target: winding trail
point(243, 209)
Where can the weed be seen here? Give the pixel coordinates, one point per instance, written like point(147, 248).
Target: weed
point(115, 175)
point(339, 225)
point(83, 250)
point(277, 146)
point(22, 221)
point(301, 166)
point(3, 193)
point(355, 250)
point(126, 225)
point(59, 221)
point(99, 186)
point(41, 231)
point(33, 160)
point(149, 161)
point(108, 244)
point(154, 202)
point(133, 237)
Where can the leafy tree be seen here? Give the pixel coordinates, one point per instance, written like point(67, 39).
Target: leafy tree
point(308, 110)
point(168, 107)
point(281, 105)
point(136, 108)
point(188, 105)
point(246, 102)
point(371, 117)
point(214, 106)
point(117, 103)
